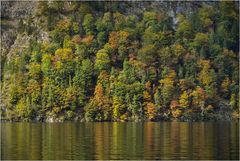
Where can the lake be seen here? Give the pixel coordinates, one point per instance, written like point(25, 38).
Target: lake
point(105, 141)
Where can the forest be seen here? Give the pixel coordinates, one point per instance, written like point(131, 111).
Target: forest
point(96, 61)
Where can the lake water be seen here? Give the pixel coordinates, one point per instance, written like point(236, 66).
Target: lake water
point(105, 141)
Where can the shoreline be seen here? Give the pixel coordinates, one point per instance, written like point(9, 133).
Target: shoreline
point(129, 121)
point(193, 118)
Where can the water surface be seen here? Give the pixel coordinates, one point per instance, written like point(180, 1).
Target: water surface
point(149, 140)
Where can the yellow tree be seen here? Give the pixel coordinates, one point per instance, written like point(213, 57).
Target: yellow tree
point(198, 98)
point(225, 86)
point(118, 108)
point(175, 109)
point(149, 107)
point(151, 111)
point(167, 86)
point(35, 70)
point(207, 77)
point(184, 100)
point(204, 76)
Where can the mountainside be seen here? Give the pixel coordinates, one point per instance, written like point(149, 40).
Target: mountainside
point(119, 61)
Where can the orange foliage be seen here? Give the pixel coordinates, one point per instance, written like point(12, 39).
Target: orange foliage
point(103, 76)
point(177, 113)
point(98, 94)
point(64, 25)
point(76, 39)
point(146, 96)
point(225, 85)
point(174, 104)
point(151, 111)
point(115, 38)
point(199, 96)
point(65, 54)
point(88, 39)
point(148, 85)
point(204, 76)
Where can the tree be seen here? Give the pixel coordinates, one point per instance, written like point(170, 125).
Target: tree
point(198, 98)
point(70, 99)
point(102, 60)
point(147, 54)
point(102, 38)
point(76, 27)
point(133, 105)
point(205, 76)
point(150, 19)
point(128, 74)
point(81, 52)
point(118, 107)
point(168, 57)
point(184, 100)
point(63, 26)
point(34, 90)
point(225, 85)
point(63, 63)
point(201, 42)
point(119, 44)
point(46, 64)
point(82, 81)
point(157, 99)
point(14, 94)
point(105, 24)
point(151, 111)
point(88, 24)
point(184, 29)
point(234, 101)
point(23, 109)
point(102, 63)
point(167, 87)
point(35, 70)
point(67, 42)
point(119, 21)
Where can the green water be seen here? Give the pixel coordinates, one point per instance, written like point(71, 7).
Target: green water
point(149, 140)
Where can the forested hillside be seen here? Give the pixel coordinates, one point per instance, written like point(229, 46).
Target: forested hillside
point(122, 61)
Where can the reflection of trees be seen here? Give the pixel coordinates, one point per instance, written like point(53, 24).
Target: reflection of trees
point(234, 141)
point(149, 145)
point(106, 141)
point(119, 143)
point(175, 139)
point(101, 131)
point(183, 140)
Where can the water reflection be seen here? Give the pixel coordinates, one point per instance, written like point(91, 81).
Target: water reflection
point(88, 141)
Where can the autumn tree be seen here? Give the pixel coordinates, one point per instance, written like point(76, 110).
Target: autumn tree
point(167, 86)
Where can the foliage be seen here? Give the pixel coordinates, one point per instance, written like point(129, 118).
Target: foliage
point(102, 60)
point(103, 63)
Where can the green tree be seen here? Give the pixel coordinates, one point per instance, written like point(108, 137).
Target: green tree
point(147, 54)
point(102, 60)
point(88, 24)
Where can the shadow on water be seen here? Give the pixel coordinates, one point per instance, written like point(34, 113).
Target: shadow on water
point(148, 140)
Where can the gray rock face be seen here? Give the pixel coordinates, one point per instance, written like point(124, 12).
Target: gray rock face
point(11, 13)
point(20, 44)
point(17, 9)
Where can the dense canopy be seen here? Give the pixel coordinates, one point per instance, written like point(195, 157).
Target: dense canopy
point(101, 63)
